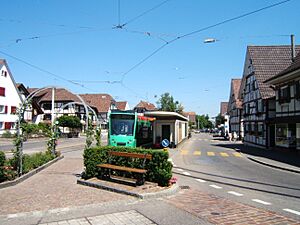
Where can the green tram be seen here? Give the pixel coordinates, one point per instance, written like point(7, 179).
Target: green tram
point(127, 128)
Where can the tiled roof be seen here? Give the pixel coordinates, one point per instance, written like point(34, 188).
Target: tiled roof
point(60, 94)
point(101, 101)
point(2, 61)
point(235, 85)
point(190, 115)
point(223, 108)
point(268, 61)
point(146, 105)
point(121, 105)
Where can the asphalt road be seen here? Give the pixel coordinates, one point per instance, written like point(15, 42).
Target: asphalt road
point(203, 164)
point(40, 145)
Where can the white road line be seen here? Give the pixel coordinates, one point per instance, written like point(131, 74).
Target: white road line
point(201, 181)
point(235, 193)
point(215, 186)
point(261, 202)
point(292, 211)
point(186, 173)
point(180, 170)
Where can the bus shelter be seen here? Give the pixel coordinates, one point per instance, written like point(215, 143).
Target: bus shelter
point(168, 125)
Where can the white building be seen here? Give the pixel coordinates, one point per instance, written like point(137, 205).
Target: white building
point(10, 100)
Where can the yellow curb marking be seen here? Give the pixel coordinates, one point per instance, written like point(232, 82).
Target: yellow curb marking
point(224, 154)
point(211, 154)
point(236, 154)
point(184, 152)
point(197, 153)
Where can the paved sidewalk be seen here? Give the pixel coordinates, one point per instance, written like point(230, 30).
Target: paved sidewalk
point(54, 187)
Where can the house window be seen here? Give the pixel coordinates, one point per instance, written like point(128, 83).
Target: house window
point(2, 108)
point(2, 91)
point(1, 125)
point(47, 106)
point(47, 117)
point(284, 94)
point(13, 110)
point(7, 125)
point(4, 73)
point(297, 91)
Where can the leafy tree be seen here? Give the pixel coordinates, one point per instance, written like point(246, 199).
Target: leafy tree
point(167, 103)
point(220, 119)
point(72, 122)
point(204, 122)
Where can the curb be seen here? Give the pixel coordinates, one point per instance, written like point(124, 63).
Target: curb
point(172, 190)
point(29, 174)
point(267, 164)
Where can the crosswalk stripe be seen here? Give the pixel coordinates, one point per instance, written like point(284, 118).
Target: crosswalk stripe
point(211, 154)
point(197, 153)
point(236, 154)
point(224, 154)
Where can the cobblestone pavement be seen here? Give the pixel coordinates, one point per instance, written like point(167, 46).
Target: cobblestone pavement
point(218, 210)
point(54, 187)
point(131, 217)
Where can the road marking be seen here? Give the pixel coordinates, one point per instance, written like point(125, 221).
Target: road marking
point(180, 170)
point(186, 173)
point(174, 165)
point(215, 186)
point(261, 202)
point(224, 154)
point(235, 193)
point(211, 154)
point(184, 152)
point(197, 153)
point(236, 154)
point(201, 181)
point(292, 211)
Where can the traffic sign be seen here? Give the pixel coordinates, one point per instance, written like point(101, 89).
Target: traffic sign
point(165, 143)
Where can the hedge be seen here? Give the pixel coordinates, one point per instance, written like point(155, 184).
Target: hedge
point(159, 169)
point(2, 161)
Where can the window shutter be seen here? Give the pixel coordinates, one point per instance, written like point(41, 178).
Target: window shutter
point(2, 91)
point(6, 109)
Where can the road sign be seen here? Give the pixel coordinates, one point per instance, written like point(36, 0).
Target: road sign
point(165, 143)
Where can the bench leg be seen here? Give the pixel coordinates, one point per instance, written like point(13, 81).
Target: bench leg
point(140, 179)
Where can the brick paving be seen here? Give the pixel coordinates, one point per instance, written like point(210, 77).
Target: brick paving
point(218, 210)
point(54, 187)
point(131, 217)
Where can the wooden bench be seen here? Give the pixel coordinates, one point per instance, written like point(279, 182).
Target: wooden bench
point(107, 168)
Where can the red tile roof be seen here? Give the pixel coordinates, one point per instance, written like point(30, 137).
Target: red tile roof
point(223, 108)
point(146, 105)
point(101, 101)
point(268, 61)
point(235, 85)
point(121, 105)
point(60, 94)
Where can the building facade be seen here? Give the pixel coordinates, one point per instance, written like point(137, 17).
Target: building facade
point(235, 109)
point(10, 100)
point(287, 120)
point(261, 63)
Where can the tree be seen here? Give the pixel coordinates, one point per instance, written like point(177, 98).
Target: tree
point(219, 119)
point(204, 122)
point(167, 103)
point(72, 122)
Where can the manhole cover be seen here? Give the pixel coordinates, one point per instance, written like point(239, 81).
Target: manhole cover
point(185, 187)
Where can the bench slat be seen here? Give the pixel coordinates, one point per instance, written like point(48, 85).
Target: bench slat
point(130, 154)
point(122, 168)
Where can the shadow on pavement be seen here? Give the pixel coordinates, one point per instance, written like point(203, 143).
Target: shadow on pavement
point(281, 155)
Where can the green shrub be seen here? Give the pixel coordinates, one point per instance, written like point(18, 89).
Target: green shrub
point(2, 161)
point(159, 169)
point(7, 134)
point(33, 161)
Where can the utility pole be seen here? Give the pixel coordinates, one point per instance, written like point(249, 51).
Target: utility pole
point(52, 122)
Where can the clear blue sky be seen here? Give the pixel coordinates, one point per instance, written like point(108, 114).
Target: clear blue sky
point(75, 40)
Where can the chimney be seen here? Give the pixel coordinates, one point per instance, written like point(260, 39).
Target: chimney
point(293, 47)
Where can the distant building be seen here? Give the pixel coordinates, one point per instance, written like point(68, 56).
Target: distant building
point(261, 63)
point(122, 105)
point(192, 118)
point(223, 108)
point(143, 106)
point(10, 99)
point(235, 109)
point(287, 119)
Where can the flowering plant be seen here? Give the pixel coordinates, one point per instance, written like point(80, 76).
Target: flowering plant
point(173, 180)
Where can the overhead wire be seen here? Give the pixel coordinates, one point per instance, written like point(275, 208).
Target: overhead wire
point(198, 31)
point(45, 71)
